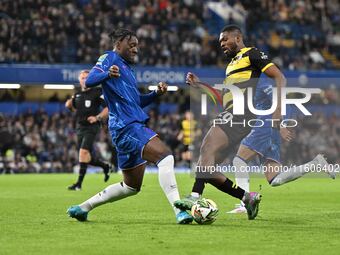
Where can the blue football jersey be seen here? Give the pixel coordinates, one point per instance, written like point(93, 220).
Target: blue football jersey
point(264, 98)
point(263, 95)
point(121, 94)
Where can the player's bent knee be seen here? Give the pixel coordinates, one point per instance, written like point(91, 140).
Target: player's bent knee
point(237, 160)
point(204, 148)
point(164, 154)
point(240, 164)
point(117, 192)
point(208, 148)
point(129, 191)
point(84, 155)
point(168, 160)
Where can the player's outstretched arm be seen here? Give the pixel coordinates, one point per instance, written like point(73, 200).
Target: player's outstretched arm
point(96, 77)
point(103, 70)
point(280, 81)
point(101, 116)
point(162, 88)
point(69, 104)
point(104, 114)
point(147, 99)
point(191, 79)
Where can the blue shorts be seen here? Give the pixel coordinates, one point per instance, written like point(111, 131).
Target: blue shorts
point(265, 141)
point(130, 144)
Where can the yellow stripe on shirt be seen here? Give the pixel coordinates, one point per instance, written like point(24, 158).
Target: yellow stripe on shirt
point(266, 67)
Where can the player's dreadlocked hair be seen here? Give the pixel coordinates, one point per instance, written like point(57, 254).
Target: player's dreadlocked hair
point(120, 34)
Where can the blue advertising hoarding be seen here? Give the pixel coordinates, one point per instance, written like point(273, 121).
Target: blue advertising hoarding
point(65, 74)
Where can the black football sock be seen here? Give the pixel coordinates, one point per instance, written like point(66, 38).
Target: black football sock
point(198, 186)
point(82, 172)
point(228, 187)
point(97, 162)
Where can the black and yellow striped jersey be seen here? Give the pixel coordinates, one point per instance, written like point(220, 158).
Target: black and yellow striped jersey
point(188, 129)
point(244, 71)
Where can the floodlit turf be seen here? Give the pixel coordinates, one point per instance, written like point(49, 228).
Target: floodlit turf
point(301, 217)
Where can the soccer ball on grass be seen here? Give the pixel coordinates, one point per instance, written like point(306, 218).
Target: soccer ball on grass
point(204, 211)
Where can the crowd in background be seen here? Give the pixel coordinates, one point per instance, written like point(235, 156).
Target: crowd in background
point(298, 35)
point(37, 142)
point(77, 31)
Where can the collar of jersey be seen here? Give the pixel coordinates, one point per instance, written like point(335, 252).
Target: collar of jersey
point(243, 50)
point(125, 62)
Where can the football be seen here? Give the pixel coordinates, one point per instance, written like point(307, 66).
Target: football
point(204, 211)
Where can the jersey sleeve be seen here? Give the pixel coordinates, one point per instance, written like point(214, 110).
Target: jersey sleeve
point(100, 72)
point(259, 60)
point(147, 99)
point(100, 97)
point(74, 101)
point(102, 101)
point(103, 63)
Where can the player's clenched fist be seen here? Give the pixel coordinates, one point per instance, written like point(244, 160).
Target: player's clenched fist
point(286, 134)
point(162, 88)
point(114, 71)
point(92, 119)
point(191, 79)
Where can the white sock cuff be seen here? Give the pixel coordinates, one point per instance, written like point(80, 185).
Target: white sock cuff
point(128, 187)
point(166, 161)
point(240, 167)
point(276, 181)
point(239, 159)
point(117, 191)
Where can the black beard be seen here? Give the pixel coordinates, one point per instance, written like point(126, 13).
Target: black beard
point(231, 54)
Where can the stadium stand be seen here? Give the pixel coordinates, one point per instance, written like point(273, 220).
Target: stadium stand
point(173, 33)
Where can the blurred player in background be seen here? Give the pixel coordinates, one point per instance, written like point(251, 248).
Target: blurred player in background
point(187, 136)
point(87, 104)
point(136, 144)
point(244, 70)
point(264, 141)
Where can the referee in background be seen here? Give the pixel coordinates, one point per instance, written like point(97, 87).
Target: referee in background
point(88, 104)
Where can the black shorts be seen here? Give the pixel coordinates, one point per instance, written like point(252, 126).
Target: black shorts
point(86, 136)
point(183, 147)
point(239, 128)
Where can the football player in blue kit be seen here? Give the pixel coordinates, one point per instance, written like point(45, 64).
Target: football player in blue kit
point(264, 141)
point(136, 144)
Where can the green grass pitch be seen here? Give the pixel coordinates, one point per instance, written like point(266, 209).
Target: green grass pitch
point(302, 217)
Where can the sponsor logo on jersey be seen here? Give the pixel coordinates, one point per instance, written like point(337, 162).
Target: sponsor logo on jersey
point(263, 56)
point(101, 59)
